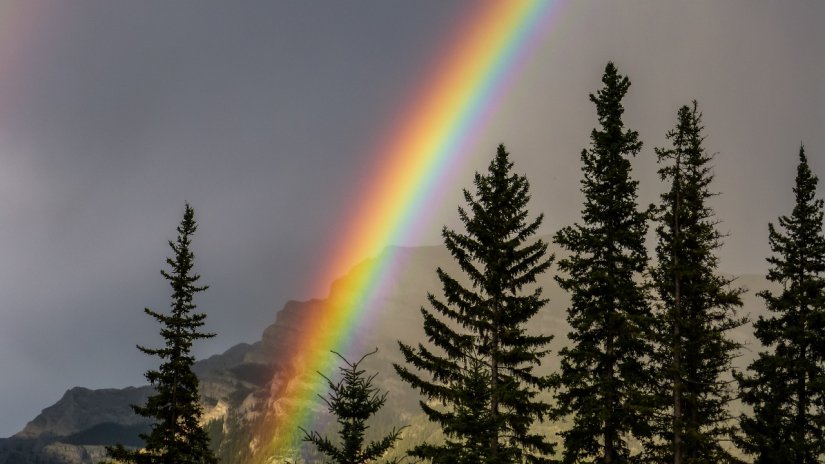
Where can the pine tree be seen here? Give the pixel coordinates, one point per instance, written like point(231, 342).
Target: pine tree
point(176, 436)
point(786, 388)
point(482, 368)
point(696, 308)
point(353, 400)
point(603, 371)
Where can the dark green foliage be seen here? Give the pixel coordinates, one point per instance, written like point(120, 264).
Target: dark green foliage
point(786, 386)
point(353, 400)
point(696, 308)
point(176, 436)
point(482, 371)
point(603, 371)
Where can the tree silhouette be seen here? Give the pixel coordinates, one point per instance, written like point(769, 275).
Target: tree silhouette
point(786, 388)
point(603, 371)
point(176, 436)
point(696, 308)
point(353, 400)
point(483, 374)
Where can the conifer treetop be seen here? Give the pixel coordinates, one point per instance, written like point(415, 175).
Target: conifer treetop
point(476, 373)
point(176, 435)
point(785, 383)
point(353, 400)
point(603, 370)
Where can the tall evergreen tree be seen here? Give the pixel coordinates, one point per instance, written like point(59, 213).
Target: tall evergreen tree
point(696, 308)
point(353, 400)
point(603, 371)
point(786, 387)
point(176, 436)
point(482, 368)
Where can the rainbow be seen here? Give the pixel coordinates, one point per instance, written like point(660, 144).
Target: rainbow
point(433, 135)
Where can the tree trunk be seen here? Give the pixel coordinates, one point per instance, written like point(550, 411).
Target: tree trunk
point(610, 423)
point(677, 321)
point(801, 387)
point(494, 386)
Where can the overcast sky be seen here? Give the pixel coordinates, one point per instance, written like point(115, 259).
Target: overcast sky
point(265, 115)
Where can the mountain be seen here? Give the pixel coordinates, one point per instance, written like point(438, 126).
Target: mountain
point(245, 389)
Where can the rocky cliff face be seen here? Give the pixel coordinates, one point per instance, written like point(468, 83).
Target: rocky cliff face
point(81, 408)
point(246, 389)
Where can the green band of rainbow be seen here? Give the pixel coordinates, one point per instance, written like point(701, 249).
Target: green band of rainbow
point(435, 132)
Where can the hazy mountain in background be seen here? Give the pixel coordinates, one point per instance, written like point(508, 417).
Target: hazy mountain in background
point(245, 389)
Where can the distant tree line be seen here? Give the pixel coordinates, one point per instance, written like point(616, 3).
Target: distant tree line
point(647, 375)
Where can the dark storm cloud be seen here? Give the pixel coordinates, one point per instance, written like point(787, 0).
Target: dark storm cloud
point(265, 115)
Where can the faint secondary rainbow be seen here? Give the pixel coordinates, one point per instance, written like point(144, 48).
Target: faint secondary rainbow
point(21, 29)
point(433, 135)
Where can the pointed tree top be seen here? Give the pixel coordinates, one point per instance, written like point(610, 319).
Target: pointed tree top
point(803, 171)
point(806, 180)
point(502, 160)
point(610, 69)
point(608, 99)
